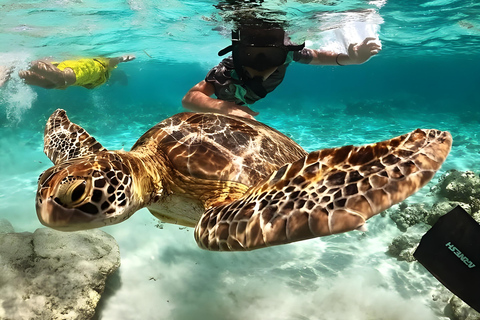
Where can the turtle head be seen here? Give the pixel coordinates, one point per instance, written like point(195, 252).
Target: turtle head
point(85, 193)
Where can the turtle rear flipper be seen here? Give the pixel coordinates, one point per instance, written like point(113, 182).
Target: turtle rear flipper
point(326, 192)
point(64, 140)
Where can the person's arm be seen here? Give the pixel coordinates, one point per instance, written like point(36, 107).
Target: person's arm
point(199, 99)
point(113, 62)
point(358, 53)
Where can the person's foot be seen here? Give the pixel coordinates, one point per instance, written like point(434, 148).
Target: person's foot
point(5, 73)
point(23, 73)
point(43, 67)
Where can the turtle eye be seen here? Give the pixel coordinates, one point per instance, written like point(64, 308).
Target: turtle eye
point(72, 192)
point(78, 192)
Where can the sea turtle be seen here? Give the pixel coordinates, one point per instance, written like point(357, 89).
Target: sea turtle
point(240, 183)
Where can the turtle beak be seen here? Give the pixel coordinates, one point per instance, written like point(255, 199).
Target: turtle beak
point(52, 214)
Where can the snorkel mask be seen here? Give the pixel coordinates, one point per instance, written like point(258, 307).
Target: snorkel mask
point(259, 48)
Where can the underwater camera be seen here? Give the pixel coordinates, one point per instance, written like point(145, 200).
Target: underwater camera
point(260, 47)
point(450, 251)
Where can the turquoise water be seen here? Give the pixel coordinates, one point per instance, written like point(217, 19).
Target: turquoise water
point(426, 76)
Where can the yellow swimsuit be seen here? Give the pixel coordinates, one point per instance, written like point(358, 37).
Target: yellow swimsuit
point(90, 73)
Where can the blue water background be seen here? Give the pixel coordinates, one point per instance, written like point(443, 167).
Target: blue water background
point(427, 76)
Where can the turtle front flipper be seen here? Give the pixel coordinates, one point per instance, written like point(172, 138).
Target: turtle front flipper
point(64, 140)
point(326, 192)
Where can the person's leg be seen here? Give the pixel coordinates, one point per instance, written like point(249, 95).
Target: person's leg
point(46, 75)
point(51, 72)
point(34, 79)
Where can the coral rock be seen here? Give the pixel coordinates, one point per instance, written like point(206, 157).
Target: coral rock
point(461, 310)
point(458, 186)
point(54, 275)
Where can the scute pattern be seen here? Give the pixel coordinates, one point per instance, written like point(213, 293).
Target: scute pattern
point(107, 184)
point(328, 191)
point(218, 147)
point(64, 140)
point(111, 187)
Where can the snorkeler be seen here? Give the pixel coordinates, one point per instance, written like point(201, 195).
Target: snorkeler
point(88, 72)
point(260, 57)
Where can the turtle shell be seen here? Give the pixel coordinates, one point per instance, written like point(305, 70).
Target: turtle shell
point(223, 148)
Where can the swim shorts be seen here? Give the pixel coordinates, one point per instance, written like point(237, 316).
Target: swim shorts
point(90, 73)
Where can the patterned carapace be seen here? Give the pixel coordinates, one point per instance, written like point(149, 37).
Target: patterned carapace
point(240, 183)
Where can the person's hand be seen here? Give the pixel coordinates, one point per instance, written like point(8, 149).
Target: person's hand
point(126, 58)
point(359, 53)
point(241, 111)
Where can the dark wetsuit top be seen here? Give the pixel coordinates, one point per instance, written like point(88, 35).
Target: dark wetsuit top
point(229, 87)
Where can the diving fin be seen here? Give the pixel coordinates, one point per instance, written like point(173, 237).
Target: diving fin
point(450, 251)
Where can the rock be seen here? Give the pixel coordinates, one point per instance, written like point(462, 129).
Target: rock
point(403, 246)
point(6, 226)
point(462, 311)
point(458, 186)
point(407, 216)
point(50, 274)
point(441, 208)
point(440, 299)
point(475, 209)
